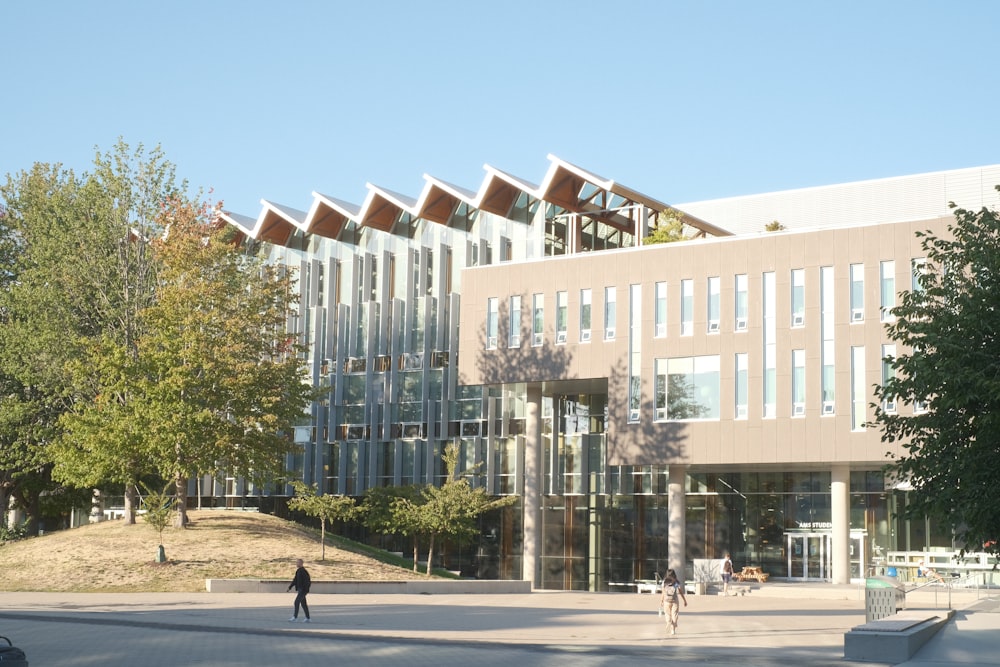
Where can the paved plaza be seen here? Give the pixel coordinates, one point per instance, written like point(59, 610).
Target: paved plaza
point(780, 624)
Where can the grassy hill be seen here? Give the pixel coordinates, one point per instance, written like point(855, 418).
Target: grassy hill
point(114, 557)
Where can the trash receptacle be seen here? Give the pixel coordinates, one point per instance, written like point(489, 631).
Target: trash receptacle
point(883, 597)
point(11, 655)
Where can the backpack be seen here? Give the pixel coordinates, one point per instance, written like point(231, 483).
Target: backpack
point(670, 591)
point(11, 656)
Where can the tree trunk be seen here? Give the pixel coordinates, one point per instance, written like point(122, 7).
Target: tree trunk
point(33, 511)
point(322, 539)
point(180, 490)
point(430, 555)
point(416, 551)
point(130, 503)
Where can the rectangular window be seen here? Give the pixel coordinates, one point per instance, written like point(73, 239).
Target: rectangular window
point(585, 298)
point(857, 293)
point(918, 267)
point(888, 373)
point(742, 303)
point(769, 312)
point(798, 383)
point(537, 319)
point(492, 315)
point(828, 377)
point(610, 313)
point(515, 321)
point(714, 306)
point(858, 401)
point(660, 310)
point(798, 297)
point(660, 390)
point(887, 276)
point(562, 316)
point(687, 307)
point(742, 385)
point(687, 388)
point(635, 351)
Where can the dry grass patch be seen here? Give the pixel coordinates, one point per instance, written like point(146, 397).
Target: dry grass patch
point(115, 557)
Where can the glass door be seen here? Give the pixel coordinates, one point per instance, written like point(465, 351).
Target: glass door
point(809, 555)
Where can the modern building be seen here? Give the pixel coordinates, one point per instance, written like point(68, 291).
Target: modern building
point(650, 405)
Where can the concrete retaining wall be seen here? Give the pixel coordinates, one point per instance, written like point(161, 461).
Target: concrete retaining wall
point(416, 586)
point(893, 639)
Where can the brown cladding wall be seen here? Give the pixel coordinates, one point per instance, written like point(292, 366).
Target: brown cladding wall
point(789, 441)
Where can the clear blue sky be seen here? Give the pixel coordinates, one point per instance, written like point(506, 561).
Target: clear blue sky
point(683, 101)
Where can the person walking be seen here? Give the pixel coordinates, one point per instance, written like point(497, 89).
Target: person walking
point(727, 573)
point(668, 599)
point(300, 583)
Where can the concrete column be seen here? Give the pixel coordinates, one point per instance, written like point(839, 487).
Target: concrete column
point(840, 516)
point(677, 522)
point(532, 495)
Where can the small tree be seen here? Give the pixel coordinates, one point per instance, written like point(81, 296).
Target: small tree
point(668, 229)
point(774, 226)
point(382, 513)
point(451, 509)
point(324, 507)
point(158, 506)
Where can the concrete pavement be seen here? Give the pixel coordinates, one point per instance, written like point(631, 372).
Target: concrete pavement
point(775, 624)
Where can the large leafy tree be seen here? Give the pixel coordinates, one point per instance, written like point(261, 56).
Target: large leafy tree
point(71, 273)
point(949, 363)
point(214, 385)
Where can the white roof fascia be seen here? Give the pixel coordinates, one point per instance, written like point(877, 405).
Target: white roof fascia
point(243, 222)
point(467, 196)
point(292, 215)
point(402, 201)
point(519, 183)
point(347, 209)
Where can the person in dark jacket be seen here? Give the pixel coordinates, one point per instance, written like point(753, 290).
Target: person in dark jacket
point(301, 583)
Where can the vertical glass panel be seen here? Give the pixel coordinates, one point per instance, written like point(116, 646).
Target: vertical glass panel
point(687, 307)
point(798, 297)
point(828, 376)
point(827, 380)
point(770, 345)
point(585, 298)
point(635, 351)
point(660, 310)
point(742, 385)
point(492, 322)
point(887, 273)
point(798, 383)
point(610, 313)
point(562, 316)
point(918, 266)
point(660, 389)
point(537, 318)
point(742, 303)
point(857, 292)
point(888, 355)
point(714, 304)
point(515, 321)
point(858, 401)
